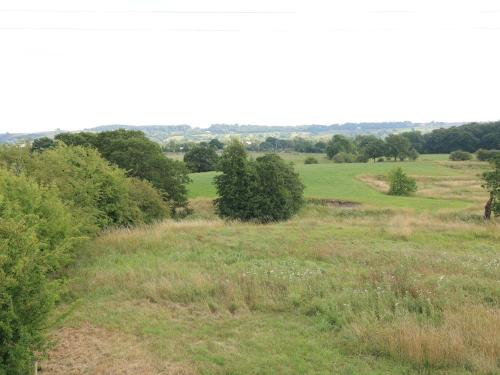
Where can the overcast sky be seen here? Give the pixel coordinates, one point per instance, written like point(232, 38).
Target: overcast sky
point(77, 64)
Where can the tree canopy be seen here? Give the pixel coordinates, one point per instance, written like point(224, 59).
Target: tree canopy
point(140, 157)
point(267, 189)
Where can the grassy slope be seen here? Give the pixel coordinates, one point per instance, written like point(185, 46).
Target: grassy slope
point(331, 291)
point(363, 291)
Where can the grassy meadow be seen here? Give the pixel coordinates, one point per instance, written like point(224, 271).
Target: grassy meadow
point(390, 286)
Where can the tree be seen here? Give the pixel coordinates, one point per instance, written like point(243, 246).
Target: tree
point(486, 155)
point(201, 159)
point(236, 184)
point(492, 185)
point(401, 183)
point(397, 146)
point(413, 154)
point(416, 139)
point(279, 193)
point(460, 155)
point(370, 146)
point(41, 144)
point(140, 157)
point(216, 144)
point(339, 143)
point(267, 189)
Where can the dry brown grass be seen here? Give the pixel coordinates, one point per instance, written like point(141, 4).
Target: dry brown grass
point(465, 187)
point(98, 351)
point(467, 338)
point(379, 183)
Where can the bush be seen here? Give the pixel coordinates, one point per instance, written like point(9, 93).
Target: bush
point(362, 158)
point(99, 195)
point(380, 160)
point(486, 155)
point(140, 157)
point(267, 189)
point(201, 158)
point(401, 184)
point(344, 157)
point(152, 207)
point(36, 236)
point(94, 189)
point(460, 155)
point(311, 160)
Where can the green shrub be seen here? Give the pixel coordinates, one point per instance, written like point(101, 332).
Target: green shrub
point(460, 155)
point(267, 189)
point(36, 236)
point(132, 151)
point(362, 158)
point(344, 157)
point(486, 155)
point(149, 201)
point(400, 183)
point(100, 195)
point(92, 187)
point(311, 160)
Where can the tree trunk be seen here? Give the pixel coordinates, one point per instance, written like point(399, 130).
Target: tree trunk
point(487, 208)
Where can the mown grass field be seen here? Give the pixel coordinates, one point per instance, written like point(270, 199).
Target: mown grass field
point(393, 286)
point(341, 181)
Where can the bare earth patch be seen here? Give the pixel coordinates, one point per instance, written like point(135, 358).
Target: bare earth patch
point(99, 351)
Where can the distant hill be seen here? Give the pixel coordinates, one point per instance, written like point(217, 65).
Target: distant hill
point(165, 133)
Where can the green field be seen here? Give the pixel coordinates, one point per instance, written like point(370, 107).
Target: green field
point(393, 286)
point(338, 181)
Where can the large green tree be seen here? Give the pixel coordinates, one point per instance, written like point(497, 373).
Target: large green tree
point(370, 146)
point(140, 157)
point(339, 143)
point(267, 189)
point(201, 158)
point(397, 146)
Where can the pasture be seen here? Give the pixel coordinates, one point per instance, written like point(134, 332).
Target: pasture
point(392, 286)
point(328, 180)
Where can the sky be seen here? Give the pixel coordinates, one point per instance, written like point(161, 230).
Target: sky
point(78, 64)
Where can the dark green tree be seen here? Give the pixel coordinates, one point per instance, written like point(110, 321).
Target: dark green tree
point(397, 146)
point(216, 144)
point(339, 143)
point(201, 158)
point(279, 193)
point(140, 157)
point(370, 146)
point(460, 155)
point(236, 184)
point(42, 144)
point(264, 190)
